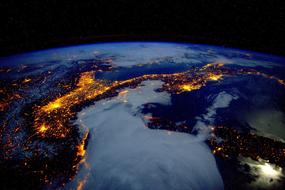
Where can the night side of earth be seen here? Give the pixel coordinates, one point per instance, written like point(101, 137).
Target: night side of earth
point(142, 115)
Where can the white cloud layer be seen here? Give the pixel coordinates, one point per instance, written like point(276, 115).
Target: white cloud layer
point(204, 123)
point(123, 154)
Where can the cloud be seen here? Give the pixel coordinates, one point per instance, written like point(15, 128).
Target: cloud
point(204, 123)
point(124, 154)
point(268, 122)
point(266, 175)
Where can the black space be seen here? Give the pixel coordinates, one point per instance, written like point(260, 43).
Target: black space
point(32, 25)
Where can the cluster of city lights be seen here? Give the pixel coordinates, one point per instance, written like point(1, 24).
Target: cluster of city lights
point(52, 118)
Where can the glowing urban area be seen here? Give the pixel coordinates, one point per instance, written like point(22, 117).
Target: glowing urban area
point(51, 118)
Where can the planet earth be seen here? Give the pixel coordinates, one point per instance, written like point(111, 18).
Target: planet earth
point(142, 115)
